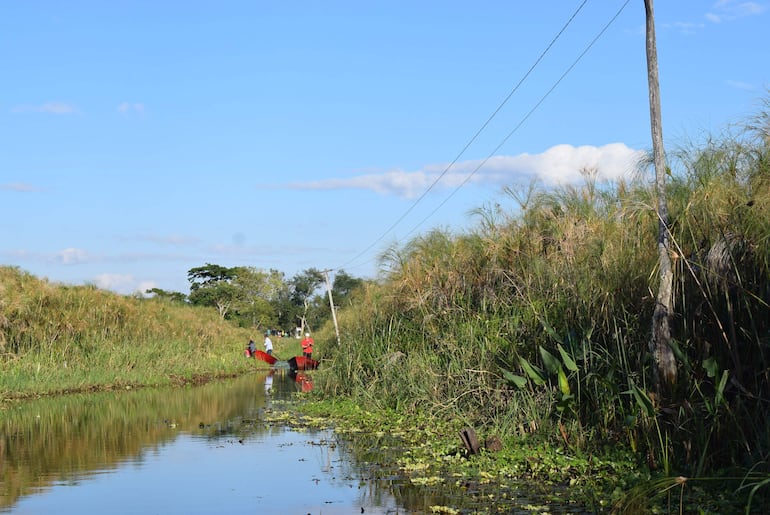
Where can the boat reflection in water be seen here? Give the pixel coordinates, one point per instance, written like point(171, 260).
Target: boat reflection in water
point(305, 381)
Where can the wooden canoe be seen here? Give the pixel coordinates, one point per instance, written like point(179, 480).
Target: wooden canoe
point(264, 356)
point(302, 363)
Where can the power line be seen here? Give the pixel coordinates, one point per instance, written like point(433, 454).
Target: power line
point(475, 136)
point(524, 119)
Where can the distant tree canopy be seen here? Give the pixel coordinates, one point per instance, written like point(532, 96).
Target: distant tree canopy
point(253, 297)
point(173, 296)
point(302, 287)
point(212, 285)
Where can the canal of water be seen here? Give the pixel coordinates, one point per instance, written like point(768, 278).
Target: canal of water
point(218, 448)
point(205, 449)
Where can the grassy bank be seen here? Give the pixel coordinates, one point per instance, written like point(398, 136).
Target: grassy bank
point(56, 338)
point(539, 321)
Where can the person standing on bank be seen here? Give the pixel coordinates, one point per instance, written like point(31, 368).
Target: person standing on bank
point(268, 344)
point(252, 348)
point(307, 346)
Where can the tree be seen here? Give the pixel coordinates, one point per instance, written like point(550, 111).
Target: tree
point(211, 285)
point(664, 371)
point(259, 293)
point(343, 286)
point(173, 296)
point(302, 287)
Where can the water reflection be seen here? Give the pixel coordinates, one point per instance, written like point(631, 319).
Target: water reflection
point(304, 380)
point(210, 449)
point(205, 449)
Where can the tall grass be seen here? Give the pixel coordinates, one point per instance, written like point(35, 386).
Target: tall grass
point(540, 317)
point(61, 338)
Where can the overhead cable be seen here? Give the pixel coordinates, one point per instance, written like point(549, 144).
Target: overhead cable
point(524, 119)
point(475, 136)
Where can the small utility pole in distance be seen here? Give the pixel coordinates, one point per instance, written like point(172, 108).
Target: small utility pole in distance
point(331, 304)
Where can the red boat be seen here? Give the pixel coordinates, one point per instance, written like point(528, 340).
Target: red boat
point(264, 356)
point(302, 363)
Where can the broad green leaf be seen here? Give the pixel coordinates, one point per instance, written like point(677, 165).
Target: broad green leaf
point(515, 379)
point(563, 383)
point(711, 367)
point(567, 359)
point(533, 372)
point(550, 361)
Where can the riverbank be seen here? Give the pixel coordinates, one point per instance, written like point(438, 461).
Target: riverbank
point(57, 339)
point(429, 454)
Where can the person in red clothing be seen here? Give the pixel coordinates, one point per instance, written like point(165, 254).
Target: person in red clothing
point(307, 346)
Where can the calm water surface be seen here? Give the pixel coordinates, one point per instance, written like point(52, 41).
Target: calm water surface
point(206, 449)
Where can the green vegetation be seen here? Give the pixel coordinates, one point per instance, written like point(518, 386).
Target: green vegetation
point(426, 452)
point(56, 338)
point(541, 319)
point(59, 338)
point(257, 298)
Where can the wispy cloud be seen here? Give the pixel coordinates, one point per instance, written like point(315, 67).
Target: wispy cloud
point(722, 11)
point(684, 27)
point(72, 256)
point(728, 10)
point(21, 187)
point(127, 108)
point(559, 164)
point(399, 182)
point(58, 108)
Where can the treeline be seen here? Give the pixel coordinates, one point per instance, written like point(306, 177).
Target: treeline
point(538, 321)
point(265, 299)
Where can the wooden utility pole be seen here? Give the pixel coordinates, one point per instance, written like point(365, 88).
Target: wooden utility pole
point(664, 371)
point(331, 305)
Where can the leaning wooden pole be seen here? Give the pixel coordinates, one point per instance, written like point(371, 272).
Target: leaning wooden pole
point(331, 305)
point(664, 371)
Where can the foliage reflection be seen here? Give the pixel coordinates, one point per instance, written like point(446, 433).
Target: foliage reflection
point(61, 438)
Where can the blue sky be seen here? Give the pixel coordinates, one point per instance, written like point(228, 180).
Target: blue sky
point(139, 139)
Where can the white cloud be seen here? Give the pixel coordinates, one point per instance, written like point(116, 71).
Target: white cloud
point(399, 182)
point(72, 256)
point(131, 107)
point(563, 163)
point(48, 107)
point(143, 286)
point(728, 10)
point(684, 27)
point(559, 164)
point(122, 283)
point(721, 11)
